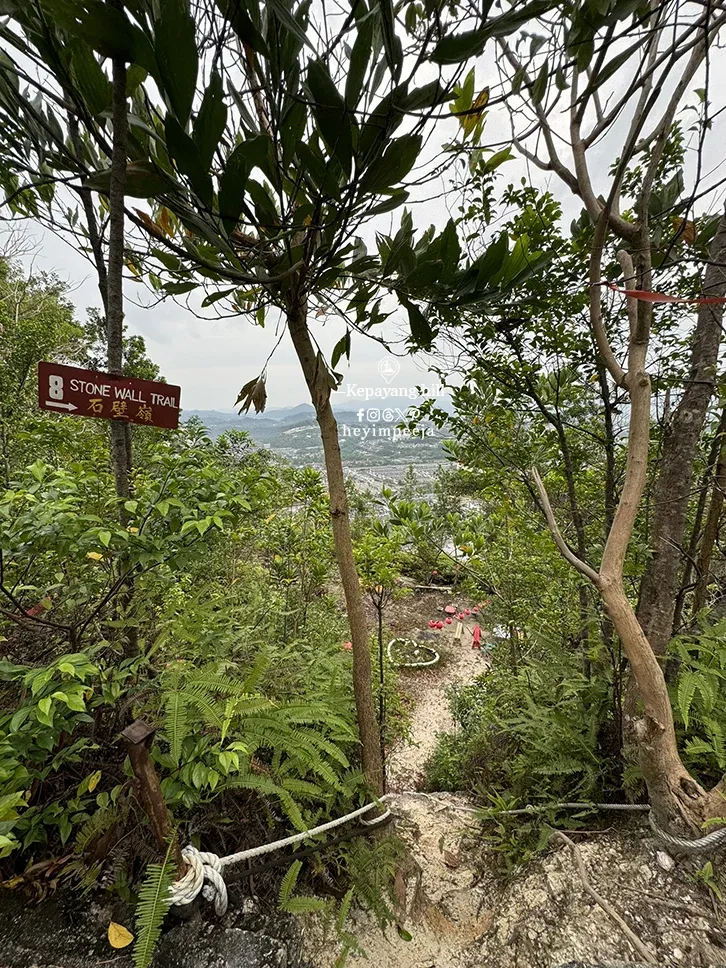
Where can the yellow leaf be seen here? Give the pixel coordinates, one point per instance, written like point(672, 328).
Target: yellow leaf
point(133, 530)
point(686, 230)
point(469, 119)
point(165, 221)
point(93, 782)
point(13, 882)
point(119, 936)
point(270, 517)
point(94, 556)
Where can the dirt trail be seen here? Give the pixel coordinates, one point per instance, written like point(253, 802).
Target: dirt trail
point(431, 716)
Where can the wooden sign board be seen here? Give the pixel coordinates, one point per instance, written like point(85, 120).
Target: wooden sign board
point(86, 393)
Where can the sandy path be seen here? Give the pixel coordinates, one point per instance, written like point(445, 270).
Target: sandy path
point(431, 716)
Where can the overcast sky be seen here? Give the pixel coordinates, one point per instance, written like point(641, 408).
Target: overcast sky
point(212, 359)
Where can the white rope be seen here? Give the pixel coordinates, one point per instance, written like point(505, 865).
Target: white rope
point(204, 872)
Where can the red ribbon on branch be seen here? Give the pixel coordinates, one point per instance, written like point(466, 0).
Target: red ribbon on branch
point(661, 297)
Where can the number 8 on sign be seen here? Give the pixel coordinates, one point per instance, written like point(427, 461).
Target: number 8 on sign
point(55, 387)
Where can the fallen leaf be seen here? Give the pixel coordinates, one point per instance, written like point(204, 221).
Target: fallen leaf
point(451, 860)
point(94, 556)
point(119, 936)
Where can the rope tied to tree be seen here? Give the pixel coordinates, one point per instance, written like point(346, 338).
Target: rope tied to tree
point(204, 874)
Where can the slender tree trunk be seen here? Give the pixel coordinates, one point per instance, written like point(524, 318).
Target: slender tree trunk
point(610, 495)
point(710, 532)
point(317, 378)
point(677, 801)
point(120, 432)
point(695, 538)
point(673, 487)
point(114, 284)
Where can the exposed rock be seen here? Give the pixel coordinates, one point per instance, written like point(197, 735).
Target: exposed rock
point(542, 917)
point(664, 861)
point(70, 931)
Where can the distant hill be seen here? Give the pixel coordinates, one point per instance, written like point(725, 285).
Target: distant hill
point(293, 433)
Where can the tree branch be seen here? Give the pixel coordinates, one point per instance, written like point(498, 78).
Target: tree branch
point(567, 553)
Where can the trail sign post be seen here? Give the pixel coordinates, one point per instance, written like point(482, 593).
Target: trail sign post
point(86, 393)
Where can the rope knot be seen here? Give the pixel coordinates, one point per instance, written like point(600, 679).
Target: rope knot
point(203, 875)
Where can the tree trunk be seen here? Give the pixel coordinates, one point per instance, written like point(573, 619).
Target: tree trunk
point(695, 539)
point(317, 378)
point(673, 487)
point(120, 449)
point(677, 801)
point(120, 432)
point(710, 532)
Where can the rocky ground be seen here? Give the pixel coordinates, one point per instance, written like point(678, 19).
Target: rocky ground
point(461, 914)
point(459, 911)
point(455, 909)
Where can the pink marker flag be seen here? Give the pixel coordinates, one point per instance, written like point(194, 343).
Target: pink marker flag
point(476, 644)
point(661, 297)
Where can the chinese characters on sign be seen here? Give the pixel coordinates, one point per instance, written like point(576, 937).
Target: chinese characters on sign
point(85, 393)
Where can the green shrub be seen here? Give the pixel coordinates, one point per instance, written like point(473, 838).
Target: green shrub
point(536, 736)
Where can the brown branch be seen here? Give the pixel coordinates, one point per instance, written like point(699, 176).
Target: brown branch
point(598, 327)
point(567, 553)
point(643, 950)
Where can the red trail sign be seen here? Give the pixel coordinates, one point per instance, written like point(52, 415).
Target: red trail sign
point(86, 393)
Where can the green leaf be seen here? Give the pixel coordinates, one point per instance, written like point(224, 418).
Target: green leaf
point(188, 159)
point(176, 54)
point(330, 114)
point(358, 63)
point(167, 259)
point(211, 121)
point(94, 86)
point(391, 43)
point(449, 250)
point(105, 538)
point(397, 198)
point(236, 12)
point(106, 29)
point(384, 120)
point(179, 288)
point(44, 711)
point(424, 275)
point(233, 183)
point(458, 47)
point(142, 180)
point(135, 77)
point(539, 88)
point(393, 165)
point(427, 96)
point(154, 902)
point(215, 297)
point(265, 210)
point(325, 175)
point(341, 347)
point(421, 333)
point(289, 22)
point(492, 261)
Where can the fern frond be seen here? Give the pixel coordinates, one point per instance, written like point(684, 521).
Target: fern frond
point(154, 902)
point(686, 692)
point(175, 709)
point(288, 883)
point(344, 909)
point(98, 823)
